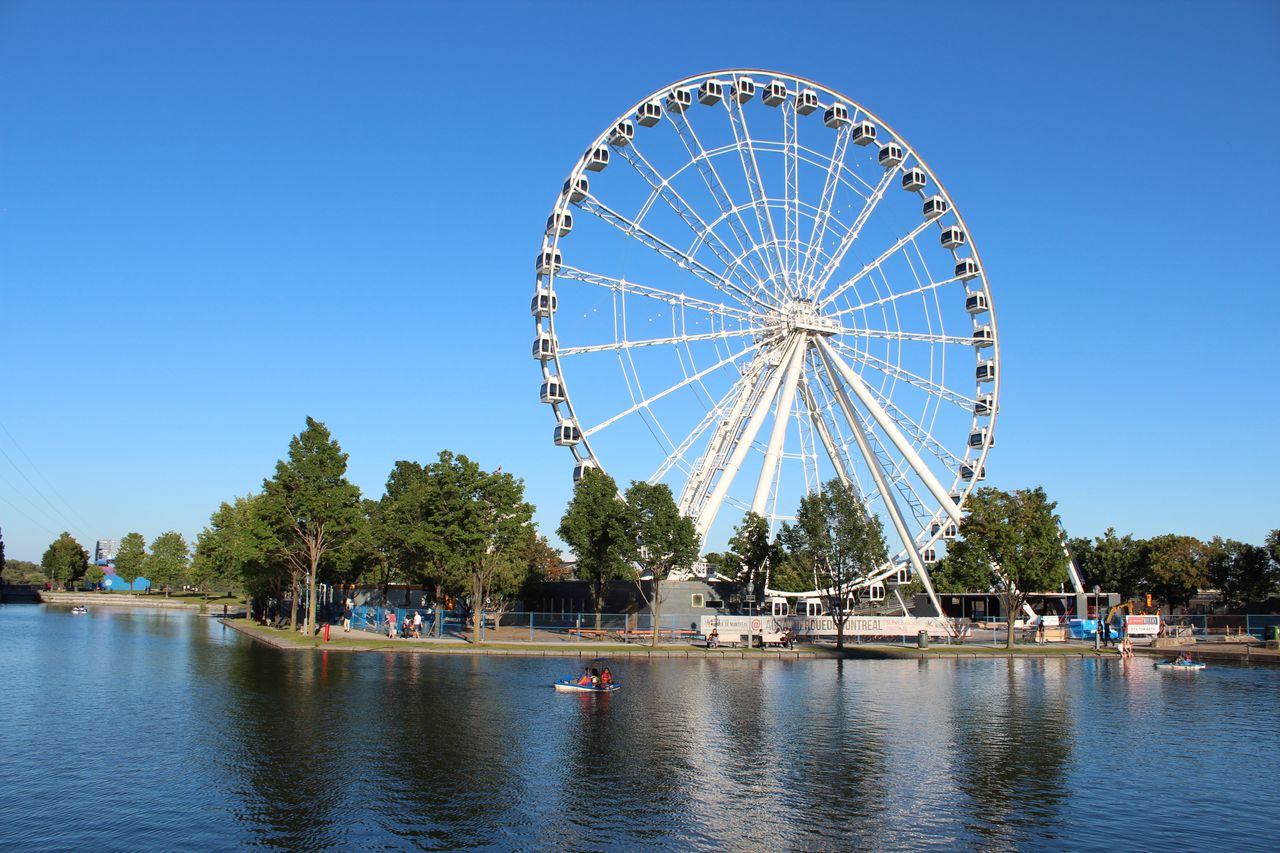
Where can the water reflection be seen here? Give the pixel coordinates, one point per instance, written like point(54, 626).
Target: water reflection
point(214, 742)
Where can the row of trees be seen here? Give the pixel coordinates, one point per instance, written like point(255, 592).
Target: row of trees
point(1174, 568)
point(1009, 543)
point(449, 525)
point(640, 536)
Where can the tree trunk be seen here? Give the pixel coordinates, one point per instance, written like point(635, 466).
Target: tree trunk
point(656, 607)
point(1013, 604)
point(477, 606)
point(293, 599)
point(599, 599)
point(311, 594)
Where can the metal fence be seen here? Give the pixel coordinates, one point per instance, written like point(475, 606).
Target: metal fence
point(538, 627)
point(1220, 626)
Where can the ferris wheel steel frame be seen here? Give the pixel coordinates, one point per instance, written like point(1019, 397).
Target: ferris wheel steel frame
point(794, 346)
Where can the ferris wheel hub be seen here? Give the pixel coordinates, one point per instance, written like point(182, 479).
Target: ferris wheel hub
point(802, 315)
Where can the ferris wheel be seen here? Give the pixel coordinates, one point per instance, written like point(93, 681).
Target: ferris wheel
point(748, 285)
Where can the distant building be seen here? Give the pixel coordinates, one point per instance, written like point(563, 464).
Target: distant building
point(105, 550)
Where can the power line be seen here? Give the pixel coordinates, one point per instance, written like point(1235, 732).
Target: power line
point(80, 522)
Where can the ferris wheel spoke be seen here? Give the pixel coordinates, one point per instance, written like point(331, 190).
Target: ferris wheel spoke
point(664, 190)
point(791, 174)
point(894, 297)
point(707, 169)
point(896, 372)
point(924, 337)
point(823, 433)
point(851, 236)
point(755, 184)
point(642, 235)
point(630, 288)
point(823, 217)
point(687, 381)
point(655, 342)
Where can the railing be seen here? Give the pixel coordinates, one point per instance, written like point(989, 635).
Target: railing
point(537, 627)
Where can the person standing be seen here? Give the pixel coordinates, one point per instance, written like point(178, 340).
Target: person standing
point(391, 624)
point(347, 612)
point(417, 624)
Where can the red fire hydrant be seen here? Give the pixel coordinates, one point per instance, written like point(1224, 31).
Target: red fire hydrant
point(326, 632)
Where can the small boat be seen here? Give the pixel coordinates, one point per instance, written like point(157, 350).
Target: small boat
point(1191, 665)
point(567, 685)
point(79, 610)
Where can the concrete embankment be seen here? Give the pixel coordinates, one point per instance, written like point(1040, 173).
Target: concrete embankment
point(108, 599)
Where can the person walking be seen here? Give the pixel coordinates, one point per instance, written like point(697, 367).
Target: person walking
point(391, 624)
point(417, 624)
point(348, 611)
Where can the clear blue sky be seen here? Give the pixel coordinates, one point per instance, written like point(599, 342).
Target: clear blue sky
point(217, 218)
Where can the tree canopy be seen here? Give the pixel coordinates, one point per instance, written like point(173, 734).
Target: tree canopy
point(842, 542)
point(65, 560)
point(168, 561)
point(130, 557)
point(1011, 536)
point(596, 527)
point(313, 506)
point(665, 541)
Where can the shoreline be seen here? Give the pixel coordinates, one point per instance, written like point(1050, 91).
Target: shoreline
point(291, 641)
point(105, 599)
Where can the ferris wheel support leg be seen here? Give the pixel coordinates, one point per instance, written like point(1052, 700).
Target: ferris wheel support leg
point(780, 419)
point(740, 450)
point(837, 461)
point(890, 499)
point(891, 429)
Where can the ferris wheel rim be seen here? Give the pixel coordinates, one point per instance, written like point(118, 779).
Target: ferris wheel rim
point(586, 452)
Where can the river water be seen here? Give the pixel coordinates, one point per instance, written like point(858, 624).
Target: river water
point(157, 731)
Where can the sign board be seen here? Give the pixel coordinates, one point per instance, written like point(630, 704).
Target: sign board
point(1142, 625)
point(771, 627)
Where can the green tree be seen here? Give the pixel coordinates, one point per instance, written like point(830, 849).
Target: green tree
point(1179, 568)
point(130, 557)
point(1013, 536)
point(596, 527)
point(844, 543)
point(1, 555)
point(315, 508)
point(167, 563)
point(1242, 573)
point(751, 553)
point(500, 521)
point(419, 524)
point(240, 547)
point(665, 541)
point(64, 561)
point(1273, 546)
point(23, 571)
point(1115, 563)
point(94, 574)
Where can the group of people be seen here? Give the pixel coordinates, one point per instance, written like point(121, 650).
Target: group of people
point(596, 678)
point(410, 626)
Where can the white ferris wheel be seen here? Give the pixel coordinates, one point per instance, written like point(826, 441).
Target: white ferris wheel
point(750, 284)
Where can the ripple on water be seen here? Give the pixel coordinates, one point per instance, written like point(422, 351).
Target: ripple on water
point(149, 731)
